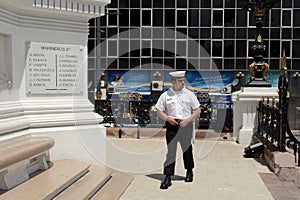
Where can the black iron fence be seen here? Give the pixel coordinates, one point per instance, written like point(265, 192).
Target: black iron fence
point(276, 130)
point(269, 121)
point(272, 118)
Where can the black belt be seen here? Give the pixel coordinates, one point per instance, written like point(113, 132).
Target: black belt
point(178, 120)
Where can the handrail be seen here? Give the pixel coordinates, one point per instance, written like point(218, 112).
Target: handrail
point(273, 120)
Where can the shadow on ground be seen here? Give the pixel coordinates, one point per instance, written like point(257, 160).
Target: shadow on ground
point(161, 177)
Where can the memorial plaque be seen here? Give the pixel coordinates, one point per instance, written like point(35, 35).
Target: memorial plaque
point(54, 68)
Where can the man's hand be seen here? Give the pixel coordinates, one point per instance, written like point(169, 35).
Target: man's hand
point(195, 114)
point(184, 122)
point(172, 121)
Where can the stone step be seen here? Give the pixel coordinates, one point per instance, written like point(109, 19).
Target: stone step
point(49, 183)
point(87, 185)
point(115, 187)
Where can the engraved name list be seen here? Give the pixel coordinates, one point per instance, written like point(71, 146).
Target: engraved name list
point(53, 68)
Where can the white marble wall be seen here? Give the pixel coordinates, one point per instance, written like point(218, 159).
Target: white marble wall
point(48, 113)
point(5, 75)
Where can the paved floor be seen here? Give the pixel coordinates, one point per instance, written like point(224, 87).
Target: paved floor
point(221, 171)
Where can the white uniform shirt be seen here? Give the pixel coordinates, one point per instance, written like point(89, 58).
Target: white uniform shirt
point(177, 104)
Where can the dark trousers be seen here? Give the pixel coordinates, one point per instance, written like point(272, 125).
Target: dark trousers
point(183, 135)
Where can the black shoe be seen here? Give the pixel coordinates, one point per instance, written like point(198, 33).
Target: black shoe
point(166, 183)
point(189, 177)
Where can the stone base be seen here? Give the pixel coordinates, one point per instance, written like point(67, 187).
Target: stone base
point(281, 163)
point(286, 173)
point(258, 83)
point(245, 136)
point(245, 106)
point(275, 159)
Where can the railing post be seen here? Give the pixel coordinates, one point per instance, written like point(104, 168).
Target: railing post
point(264, 114)
point(268, 118)
point(283, 104)
point(260, 115)
point(273, 120)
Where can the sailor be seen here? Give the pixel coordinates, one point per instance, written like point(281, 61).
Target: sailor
point(178, 106)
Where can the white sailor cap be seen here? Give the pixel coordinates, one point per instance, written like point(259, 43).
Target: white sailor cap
point(177, 74)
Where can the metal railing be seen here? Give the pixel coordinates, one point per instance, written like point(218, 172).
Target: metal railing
point(272, 118)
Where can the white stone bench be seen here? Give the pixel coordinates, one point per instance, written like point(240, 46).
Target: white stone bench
point(21, 157)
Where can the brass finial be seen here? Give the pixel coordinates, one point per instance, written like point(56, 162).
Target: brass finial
point(259, 39)
point(283, 68)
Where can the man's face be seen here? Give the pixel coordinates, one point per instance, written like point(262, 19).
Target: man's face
point(178, 83)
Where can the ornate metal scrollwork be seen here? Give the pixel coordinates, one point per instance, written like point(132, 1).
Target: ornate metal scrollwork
point(290, 143)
